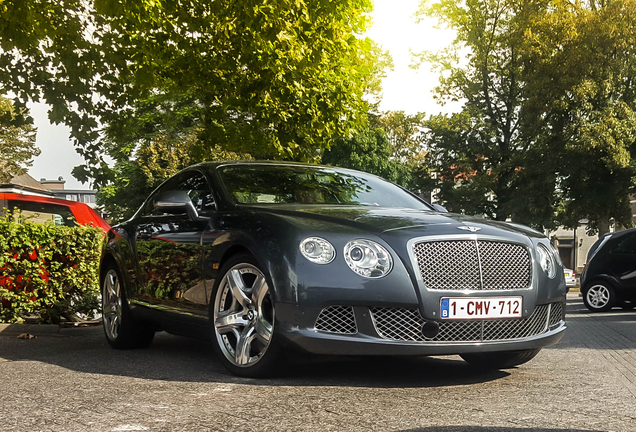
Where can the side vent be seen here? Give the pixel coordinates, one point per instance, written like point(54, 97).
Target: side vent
point(337, 319)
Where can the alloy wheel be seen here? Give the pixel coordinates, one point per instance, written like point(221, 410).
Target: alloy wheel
point(243, 315)
point(598, 296)
point(111, 304)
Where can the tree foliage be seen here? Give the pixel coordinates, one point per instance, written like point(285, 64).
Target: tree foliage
point(282, 77)
point(17, 140)
point(390, 146)
point(580, 74)
point(546, 133)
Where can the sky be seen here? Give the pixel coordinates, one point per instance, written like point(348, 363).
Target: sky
point(404, 89)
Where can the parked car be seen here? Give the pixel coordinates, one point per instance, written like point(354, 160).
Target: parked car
point(609, 278)
point(58, 211)
point(570, 277)
point(270, 258)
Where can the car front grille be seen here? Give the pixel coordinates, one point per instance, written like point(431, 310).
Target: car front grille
point(406, 325)
point(473, 265)
point(337, 319)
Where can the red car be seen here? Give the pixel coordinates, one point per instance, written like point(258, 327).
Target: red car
point(60, 212)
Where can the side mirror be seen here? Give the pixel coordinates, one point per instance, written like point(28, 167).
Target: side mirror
point(439, 208)
point(175, 202)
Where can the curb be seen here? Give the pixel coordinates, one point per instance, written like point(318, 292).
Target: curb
point(47, 329)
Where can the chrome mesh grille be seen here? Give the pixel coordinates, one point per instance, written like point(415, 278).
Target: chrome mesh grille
point(473, 265)
point(557, 313)
point(337, 319)
point(406, 325)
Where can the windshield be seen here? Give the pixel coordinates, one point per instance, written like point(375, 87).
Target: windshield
point(292, 184)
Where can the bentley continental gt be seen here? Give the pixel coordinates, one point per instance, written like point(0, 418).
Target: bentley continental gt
point(265, 259)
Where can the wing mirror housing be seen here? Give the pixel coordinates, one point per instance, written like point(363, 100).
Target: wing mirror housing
point(176, 202)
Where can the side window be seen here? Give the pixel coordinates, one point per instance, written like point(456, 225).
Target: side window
point(197, 188)
point(626, 245)
point(192, 182)
point(43, 212)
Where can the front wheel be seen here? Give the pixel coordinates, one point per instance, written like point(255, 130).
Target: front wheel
point(122, 332)
point(599, 297)
point(500, 360)
point(242, 318)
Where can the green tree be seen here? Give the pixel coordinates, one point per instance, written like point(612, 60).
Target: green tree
point(547, 130)
point(478, 153)
point(17, 140)
point(406, 136)
point(281, 77)
point(580, 72)
point(369, 150)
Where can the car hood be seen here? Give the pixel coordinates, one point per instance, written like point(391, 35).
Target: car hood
point(399, 221)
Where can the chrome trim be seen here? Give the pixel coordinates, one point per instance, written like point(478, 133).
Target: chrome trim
point(473, 237)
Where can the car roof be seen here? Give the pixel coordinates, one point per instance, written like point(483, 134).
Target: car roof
point(218, 164)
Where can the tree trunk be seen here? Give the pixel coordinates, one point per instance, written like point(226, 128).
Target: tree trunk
point(603, 225)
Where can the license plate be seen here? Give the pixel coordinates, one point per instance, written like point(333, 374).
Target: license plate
point(481, 307)
point(567, 274)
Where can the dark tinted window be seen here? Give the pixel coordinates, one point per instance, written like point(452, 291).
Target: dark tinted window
point(43, 212)
point(626, 245)
point(192, 182)
point(275, 184)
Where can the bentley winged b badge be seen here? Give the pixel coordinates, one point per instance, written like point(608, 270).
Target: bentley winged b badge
point(469, 228)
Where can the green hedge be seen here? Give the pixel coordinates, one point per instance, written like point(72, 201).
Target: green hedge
point(48, 272)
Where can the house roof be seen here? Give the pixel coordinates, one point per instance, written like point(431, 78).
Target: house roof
point(25, 184)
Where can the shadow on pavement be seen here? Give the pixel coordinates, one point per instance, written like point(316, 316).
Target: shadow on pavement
point(174, 358)
point(492, 429)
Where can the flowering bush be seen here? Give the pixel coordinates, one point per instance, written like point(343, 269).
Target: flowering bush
point(47, 271)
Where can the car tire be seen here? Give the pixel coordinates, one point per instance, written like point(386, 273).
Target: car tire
point(599, 296)
point(628, 305)
point(500, 360)
point(121, 330)
point(242, 319)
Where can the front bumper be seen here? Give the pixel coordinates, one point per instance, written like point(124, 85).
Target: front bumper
point(297, 328)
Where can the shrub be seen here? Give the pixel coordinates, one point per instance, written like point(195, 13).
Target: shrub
point(47, 271)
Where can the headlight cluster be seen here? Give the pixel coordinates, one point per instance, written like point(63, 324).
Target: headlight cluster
point(365, 257)
point(546, 260)
point(317, 250)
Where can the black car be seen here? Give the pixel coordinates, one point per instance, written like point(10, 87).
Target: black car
point(609, 278)
point(269, 258)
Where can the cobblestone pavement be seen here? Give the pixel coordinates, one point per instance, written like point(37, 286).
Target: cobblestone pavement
point(72, 381)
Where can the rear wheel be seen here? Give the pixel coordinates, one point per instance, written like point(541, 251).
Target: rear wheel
point(122, 332)
point(500, 360)
point(242, 319)
point(599, 297)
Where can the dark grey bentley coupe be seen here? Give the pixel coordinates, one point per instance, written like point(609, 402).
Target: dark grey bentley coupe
point(267, 258)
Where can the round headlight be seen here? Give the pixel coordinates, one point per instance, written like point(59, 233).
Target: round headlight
point(546, 260)
point(317, 250)
point(368, 258)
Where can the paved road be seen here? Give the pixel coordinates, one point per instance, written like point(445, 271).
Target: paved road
point(72, 381)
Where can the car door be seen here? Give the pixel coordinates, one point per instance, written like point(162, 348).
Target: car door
point(168, 248)
point(622, 262)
